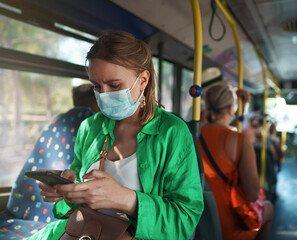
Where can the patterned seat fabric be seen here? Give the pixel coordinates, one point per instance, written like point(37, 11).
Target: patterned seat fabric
point(26, 211)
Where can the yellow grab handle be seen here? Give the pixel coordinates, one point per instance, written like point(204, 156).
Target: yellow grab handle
point(197, 57)
point(275, 83)
point(225, 11)
point(264, 132)
point(283, 146)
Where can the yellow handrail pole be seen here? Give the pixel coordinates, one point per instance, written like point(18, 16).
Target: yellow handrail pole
point(225, 11)
point(197, 57)
point(274, 81)
point(264, 131)
point(283, 146)
point(284, 133)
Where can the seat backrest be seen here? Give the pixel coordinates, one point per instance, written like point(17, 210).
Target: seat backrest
point(209, 226)
point(54, 149)
point(270, 171)
point(194, 127)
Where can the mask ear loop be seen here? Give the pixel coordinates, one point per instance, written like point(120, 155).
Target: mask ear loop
point(141, 92)
point(135, 82)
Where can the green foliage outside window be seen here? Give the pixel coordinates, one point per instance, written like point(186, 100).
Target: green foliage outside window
point(29, 101)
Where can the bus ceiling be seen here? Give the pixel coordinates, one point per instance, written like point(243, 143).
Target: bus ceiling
point(270, 25)
point(169, 24)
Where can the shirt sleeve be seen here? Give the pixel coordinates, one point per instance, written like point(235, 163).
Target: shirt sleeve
point(175, 213)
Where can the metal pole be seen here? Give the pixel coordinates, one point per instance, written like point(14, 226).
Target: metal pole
point(264, 131)
point(197, 61)
point(283, 146)
point(177, 88)
point(231, 21)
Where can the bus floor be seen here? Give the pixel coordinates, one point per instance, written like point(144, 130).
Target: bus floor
point(284, 225)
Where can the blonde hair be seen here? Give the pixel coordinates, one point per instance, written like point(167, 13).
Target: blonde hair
point(125, 50)
point(218, 99)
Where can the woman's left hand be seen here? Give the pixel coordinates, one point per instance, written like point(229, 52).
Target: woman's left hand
point(100, 192)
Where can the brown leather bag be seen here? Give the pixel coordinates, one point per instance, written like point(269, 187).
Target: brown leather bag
point(87, 224)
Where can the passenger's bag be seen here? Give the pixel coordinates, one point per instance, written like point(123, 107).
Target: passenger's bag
point(87, 224)
point(250, 213)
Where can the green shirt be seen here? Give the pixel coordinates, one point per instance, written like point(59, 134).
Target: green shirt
point(171, 202)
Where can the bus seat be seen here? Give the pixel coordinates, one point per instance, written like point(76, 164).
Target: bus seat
point(209, 226)
point(26, 212)
point(271, 172)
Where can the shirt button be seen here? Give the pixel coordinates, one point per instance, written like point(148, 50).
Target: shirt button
point(142, 165)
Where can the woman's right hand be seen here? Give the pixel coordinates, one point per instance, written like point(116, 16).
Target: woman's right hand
point(49, 193)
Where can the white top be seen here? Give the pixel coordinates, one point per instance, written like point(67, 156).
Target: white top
point(125, 172)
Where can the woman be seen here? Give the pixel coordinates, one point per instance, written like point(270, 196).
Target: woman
point(234, 154)
point(158, 185)
point(275, 144)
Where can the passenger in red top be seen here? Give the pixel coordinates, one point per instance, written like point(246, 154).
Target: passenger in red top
point(222, 143)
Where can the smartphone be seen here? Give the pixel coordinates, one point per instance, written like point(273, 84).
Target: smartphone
point(47, 177)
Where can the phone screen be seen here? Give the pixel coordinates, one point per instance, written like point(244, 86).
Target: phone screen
point(47, 177)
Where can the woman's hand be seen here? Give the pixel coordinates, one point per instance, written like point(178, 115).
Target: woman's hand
point(101, 191)
point(244, 95)
point(50, 193)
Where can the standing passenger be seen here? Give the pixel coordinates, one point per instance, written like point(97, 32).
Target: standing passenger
point(250, 130)
point(232, 159)
point(276, 143)
point(151, 172)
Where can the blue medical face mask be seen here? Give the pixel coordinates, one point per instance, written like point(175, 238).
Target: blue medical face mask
point(117, 105)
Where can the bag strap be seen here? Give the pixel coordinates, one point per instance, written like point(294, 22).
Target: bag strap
point(102, 158)
point(211, 160)
point(103, 155)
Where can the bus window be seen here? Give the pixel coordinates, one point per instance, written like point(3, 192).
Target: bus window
point(28, 102)
point(156, 63)
point(186, 100)
point(166, 84)
point(34, 40)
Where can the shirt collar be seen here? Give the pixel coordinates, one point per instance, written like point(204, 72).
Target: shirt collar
point(153, 126)
point(108, 126)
